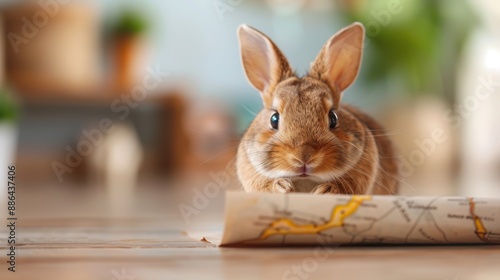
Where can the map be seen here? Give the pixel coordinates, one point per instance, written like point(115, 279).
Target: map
point(296, 218)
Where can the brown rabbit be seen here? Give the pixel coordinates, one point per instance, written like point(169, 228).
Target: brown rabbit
point(304, 139)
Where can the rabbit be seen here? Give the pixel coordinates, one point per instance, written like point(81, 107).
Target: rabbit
point(305, 139)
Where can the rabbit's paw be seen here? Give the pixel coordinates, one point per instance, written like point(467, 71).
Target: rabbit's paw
point(326, 188)
point(282, 186)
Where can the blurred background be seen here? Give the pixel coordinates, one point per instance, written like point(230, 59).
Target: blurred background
point(121, 103)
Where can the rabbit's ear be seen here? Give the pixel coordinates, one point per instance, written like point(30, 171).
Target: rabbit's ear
point(265, 66)
point(339, 60)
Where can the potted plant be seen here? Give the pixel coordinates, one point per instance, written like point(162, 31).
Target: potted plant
point(128, 35)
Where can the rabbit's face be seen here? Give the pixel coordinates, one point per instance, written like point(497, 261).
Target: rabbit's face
point(303, 134)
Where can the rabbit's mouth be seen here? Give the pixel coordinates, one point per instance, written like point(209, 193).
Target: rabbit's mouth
point(301, 172)
point(305, 171)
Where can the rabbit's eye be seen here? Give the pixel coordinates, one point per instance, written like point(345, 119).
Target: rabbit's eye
point(333, 119)
point(275, 119)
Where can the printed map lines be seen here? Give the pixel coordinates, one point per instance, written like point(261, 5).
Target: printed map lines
point(420, 217)
point(437, 226)
point(285, 226)
point(371, 225)
point(372, 220)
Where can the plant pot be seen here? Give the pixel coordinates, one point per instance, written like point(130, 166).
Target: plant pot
point(60, 56)
point(129, 61)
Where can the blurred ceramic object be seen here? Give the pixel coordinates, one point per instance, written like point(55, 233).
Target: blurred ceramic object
point(424, 143)
point(478, 103)
point(115, 163)
point(8, 136)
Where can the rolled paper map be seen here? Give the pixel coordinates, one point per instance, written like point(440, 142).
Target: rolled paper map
point(289, 219)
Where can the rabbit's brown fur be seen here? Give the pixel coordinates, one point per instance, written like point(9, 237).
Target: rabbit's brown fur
point(304, 153)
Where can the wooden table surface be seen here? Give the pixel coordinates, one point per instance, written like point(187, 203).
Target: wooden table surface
point(69, 233)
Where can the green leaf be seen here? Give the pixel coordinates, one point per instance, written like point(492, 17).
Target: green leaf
point(8, 109)
point(130, 23)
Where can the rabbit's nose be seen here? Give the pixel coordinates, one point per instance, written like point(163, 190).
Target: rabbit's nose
point(306, 152)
